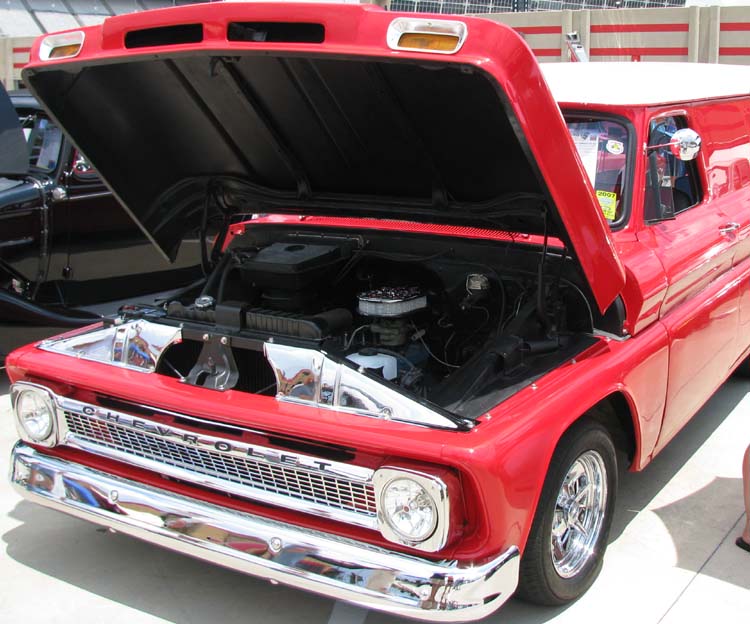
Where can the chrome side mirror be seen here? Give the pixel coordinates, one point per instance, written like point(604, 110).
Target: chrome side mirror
point(684, 144)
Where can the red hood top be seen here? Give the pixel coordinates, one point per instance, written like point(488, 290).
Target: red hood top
point(228, 108)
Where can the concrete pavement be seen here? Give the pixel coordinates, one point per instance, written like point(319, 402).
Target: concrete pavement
point(671, 559)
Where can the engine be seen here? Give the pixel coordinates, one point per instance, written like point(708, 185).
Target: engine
point(430, 321)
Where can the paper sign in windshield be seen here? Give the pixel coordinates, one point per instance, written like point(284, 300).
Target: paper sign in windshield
point(587, 150)
point(608, 202)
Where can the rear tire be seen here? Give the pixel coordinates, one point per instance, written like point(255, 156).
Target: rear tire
point(568, 537)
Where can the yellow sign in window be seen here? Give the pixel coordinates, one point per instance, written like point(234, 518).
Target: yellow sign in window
point(608, 202)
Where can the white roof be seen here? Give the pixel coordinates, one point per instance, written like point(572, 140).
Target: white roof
point(644, 83)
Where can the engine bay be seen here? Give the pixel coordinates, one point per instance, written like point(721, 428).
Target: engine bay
point(457, 323)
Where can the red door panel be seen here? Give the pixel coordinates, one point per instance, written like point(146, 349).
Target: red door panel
point(700, 310)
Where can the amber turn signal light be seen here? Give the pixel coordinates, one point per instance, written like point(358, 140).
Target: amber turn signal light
point(65, 51)
point(425, 41)
point(438, 36)
point(62, 46)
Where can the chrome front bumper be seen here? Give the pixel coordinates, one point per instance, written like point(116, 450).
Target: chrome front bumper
point(323, 563)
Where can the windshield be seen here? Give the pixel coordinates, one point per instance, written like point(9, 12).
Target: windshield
point(602, 145)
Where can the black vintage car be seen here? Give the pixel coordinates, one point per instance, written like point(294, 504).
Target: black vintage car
point(66, 243)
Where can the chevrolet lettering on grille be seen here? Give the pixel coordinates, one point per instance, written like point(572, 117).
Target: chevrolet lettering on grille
point(311, 484)
point(224, 446)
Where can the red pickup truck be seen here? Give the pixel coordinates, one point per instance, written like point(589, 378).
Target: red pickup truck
point(446, 293)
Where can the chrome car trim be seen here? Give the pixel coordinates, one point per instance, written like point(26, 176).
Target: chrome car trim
point(303, 376)
point(337, 568)
point(610, 336)
point(77, 198)
point(15, 392)
point(579, 514)
point(418, 25)
point(199, 422)
point(309, 377)
point(226, 446)
point(136, 345)
point(52, 42)
point(436, 489)
point(313, 485)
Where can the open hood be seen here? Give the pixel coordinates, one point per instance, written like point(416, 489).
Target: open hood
point(256, 108)
point(14, 151)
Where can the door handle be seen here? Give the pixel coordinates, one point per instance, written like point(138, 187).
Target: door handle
point(729, 227)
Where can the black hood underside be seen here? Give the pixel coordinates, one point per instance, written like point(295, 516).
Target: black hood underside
point(275, 133)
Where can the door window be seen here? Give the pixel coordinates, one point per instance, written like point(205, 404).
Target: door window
point(671, 184)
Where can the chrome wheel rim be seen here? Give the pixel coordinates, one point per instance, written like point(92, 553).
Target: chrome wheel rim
point(579, 514)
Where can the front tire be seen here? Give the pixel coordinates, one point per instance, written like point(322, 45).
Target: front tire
point(568, 537)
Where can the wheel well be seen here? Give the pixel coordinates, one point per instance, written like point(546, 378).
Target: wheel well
point(613, 412)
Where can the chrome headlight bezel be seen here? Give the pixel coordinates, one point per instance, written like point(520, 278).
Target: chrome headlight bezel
point(433, 487)
point(49, 435)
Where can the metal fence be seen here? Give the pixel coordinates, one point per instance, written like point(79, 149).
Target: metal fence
point(21, 18)
point(506, 6)
point(451, 6)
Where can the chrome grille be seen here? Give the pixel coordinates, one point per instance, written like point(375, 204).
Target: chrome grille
point(243, 475)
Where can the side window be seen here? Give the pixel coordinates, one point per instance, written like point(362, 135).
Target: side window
point(672, 185)
point(45, 141)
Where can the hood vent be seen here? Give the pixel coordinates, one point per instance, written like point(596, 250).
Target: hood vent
point(164, 36)
point(276, 32)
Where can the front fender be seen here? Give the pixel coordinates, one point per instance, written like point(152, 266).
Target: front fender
point(506, 470)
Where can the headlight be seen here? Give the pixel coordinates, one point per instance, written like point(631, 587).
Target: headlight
point(136, 345)
point(409, 510)
point(35, 413)
point(413, 508)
